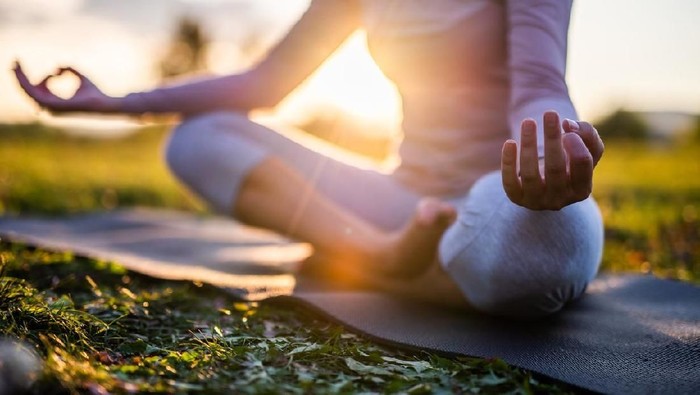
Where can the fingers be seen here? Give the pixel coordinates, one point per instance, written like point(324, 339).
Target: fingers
point(43, 84)
point(556, 176)
point(17, 66)
point(569, 160)
point(589, 135)
point(509, 171)
point(22, 78)
point(580, 166)
point(84, 81)
point(39, 92)
point(34, 91)
point(71, 70)
point(529, 163)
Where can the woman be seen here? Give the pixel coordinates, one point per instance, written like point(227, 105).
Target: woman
point(470, 73)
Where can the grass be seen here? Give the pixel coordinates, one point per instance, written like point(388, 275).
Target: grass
point(100, 328)
point(43, 171)
point(650, 199)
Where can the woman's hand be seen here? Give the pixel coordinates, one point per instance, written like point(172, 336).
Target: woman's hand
point(87, 98)
point(569, 159)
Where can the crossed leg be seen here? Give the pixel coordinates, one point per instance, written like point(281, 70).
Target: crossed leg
point(359, 217)
point(377, 231)
point(270, 198)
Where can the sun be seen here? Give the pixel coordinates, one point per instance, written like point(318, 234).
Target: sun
point(350, 81)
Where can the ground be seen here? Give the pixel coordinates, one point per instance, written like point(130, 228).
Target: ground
point(100, 328)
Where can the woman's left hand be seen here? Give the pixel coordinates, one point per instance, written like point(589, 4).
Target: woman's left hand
point(569, 160)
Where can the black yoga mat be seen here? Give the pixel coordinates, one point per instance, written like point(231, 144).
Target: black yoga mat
point(629, 334)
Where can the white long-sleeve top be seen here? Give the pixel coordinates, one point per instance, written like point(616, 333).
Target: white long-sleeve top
point(468, 72)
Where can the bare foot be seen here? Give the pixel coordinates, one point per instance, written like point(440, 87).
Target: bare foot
point(402, 255)
point(411, 250)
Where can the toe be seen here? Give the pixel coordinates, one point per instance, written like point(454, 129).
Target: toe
point(432, 211)
point(448, 214)
point(427, 211)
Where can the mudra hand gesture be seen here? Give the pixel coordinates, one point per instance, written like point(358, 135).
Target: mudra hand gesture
point(565, 176)
point(87, 98)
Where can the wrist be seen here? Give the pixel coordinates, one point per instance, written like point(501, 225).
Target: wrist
point(112, 104)
point(133, 103)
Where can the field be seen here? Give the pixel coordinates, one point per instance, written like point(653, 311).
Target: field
point(99, 328)
point(650, 199)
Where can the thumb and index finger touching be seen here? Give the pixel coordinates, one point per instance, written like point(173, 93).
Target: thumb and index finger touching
point(72, 70)
point(41, 93)
point(24, 80)
point(589, 135)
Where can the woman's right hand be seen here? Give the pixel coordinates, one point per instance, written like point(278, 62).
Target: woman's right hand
point(87, 98)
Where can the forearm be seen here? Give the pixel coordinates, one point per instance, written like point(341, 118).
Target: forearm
point(239, 92)
point(537, 38)
point(310, 41)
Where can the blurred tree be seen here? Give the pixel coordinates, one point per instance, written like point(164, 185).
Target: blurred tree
point(623, 124)
point(187, 52)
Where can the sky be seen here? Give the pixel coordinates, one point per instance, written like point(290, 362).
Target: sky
point(636, 54)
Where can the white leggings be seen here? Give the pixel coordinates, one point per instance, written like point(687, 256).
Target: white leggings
point(507, 260)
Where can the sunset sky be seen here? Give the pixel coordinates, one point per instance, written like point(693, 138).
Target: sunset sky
point(638, 54)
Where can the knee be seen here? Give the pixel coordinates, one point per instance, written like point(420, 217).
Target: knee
point(211, 155)
point(513, 261)
point(176, 150)
point(191, 142)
